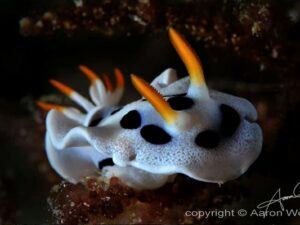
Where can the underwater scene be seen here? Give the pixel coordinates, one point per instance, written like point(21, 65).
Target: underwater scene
point(150, 112)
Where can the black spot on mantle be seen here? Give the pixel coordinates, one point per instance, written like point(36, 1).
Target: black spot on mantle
point(230, 120)
point(131, 120)
point(155, 135)
point(105, 162)
point(208, 139)
point(180, 102)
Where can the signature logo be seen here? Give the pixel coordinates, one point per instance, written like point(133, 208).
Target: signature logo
point(278, 199)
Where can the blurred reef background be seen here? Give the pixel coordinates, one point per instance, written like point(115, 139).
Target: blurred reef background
point(248, 48)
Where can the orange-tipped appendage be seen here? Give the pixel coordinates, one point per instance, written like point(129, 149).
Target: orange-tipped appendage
point(188, 56)
point(89, 73)
point(119, 77)
point(62, 87)
point(108, 83)
point(156, 100)
point(48, 107)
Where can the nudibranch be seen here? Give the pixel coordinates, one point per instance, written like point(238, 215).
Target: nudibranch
point(177, 127)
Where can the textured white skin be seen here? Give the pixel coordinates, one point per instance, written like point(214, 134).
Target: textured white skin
point(74, 149)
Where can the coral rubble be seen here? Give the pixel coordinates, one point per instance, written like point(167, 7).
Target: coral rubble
point(93, 201)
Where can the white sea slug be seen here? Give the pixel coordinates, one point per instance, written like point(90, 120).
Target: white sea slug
point(179, 126)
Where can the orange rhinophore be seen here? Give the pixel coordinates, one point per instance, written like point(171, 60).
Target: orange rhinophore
point(189, 57)
point(158, 102)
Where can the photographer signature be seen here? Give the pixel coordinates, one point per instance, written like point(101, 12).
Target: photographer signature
point(276, 198)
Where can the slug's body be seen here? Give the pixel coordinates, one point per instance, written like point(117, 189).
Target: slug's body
point(180, 126)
